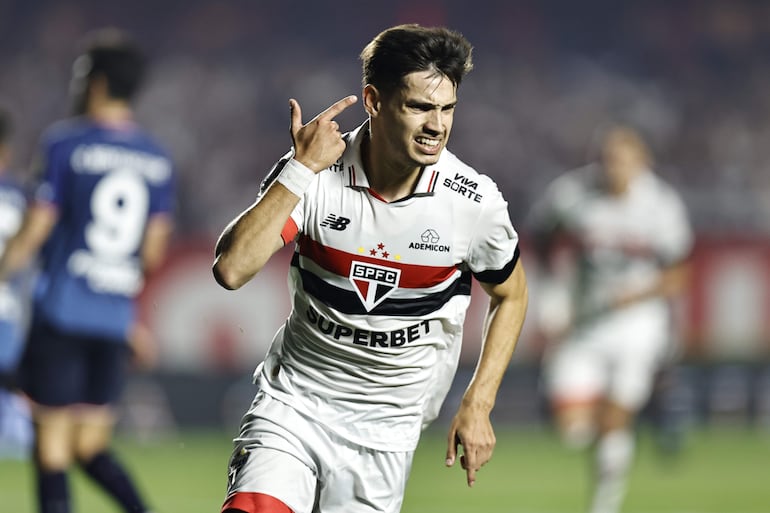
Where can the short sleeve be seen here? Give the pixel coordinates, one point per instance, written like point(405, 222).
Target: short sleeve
point(50, 167)
point(675, 236)
point(552, 210)
point(494, 250)
point(163, 200)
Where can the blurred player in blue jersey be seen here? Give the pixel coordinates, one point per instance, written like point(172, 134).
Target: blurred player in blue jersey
point(15, 426)
point(389, 229)
point(627, 235)
point(100, 221)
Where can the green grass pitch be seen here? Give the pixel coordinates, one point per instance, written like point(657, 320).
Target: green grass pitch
point(717, 471)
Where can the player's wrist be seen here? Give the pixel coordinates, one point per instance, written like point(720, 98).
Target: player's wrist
point(296, 177)
point(477, 404)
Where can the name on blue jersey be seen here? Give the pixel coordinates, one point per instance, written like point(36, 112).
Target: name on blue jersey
point(104, 158)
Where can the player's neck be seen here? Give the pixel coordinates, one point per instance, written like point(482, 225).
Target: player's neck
point(390, 180)
point(619, 183)
point(618, 189)
point(111, 112)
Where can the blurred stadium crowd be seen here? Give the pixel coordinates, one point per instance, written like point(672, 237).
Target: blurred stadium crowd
point(693, 75)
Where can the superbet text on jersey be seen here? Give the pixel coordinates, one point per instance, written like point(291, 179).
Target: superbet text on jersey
point(379, 295)
point(106, 182)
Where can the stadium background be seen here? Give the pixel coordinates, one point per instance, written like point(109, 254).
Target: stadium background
point(694, 75)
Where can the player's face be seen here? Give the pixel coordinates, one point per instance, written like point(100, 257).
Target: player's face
point(621, 161)
point(416, 120)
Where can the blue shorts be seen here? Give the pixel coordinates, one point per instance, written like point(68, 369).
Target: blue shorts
point(62, 369)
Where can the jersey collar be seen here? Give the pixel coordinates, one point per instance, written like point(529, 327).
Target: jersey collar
point(354, 169)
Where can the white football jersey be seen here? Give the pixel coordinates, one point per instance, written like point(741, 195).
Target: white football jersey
point(379, 294)
point(622, 242)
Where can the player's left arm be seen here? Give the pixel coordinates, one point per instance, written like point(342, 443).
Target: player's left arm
point(21, 249)
point(157, 235)
point(471, 426)
point(671, 282)
point(674, 244)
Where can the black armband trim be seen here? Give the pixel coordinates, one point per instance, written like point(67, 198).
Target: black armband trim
point(497, 276)
point(272, 176)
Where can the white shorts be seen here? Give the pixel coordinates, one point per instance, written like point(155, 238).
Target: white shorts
point(614, 360)
point(285, 455)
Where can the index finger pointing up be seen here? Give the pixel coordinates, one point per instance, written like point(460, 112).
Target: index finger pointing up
point(338, 107)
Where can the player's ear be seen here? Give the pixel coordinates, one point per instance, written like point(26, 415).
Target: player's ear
point(372, 100)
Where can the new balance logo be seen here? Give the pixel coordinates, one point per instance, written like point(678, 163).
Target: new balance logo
point(335, 223)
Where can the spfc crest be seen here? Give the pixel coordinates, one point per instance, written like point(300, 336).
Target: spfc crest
point(373, 283)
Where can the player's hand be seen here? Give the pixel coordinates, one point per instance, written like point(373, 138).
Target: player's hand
point(473, 430)
point(624, 298)
point(318, 144)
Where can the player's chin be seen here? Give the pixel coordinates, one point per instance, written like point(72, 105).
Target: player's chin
point(423, 159)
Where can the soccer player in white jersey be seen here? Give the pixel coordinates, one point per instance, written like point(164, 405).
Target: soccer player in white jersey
point(388, 227)
point(627, 233)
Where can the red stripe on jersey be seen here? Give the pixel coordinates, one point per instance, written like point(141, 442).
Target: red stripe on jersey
point(413, 276)
point(289, 231)
point(430, 183)
point(252, 502)
point(377, 196)
point(561, 401)
point(352, 173)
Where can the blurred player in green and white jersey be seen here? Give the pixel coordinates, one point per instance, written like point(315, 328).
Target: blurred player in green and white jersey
point(627, 236)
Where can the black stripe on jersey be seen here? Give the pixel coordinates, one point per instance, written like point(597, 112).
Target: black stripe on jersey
point(272, 175)
point(497, 276)
point(432, 189)
point(428, 192)
point(347, 301)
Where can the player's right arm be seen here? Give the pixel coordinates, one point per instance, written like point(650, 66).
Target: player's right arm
point(250, 239)
point(254, 236)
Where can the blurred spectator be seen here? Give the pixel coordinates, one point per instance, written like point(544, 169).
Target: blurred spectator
point(693, 75)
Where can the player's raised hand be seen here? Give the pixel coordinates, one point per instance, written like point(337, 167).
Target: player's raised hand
point(318, 144)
